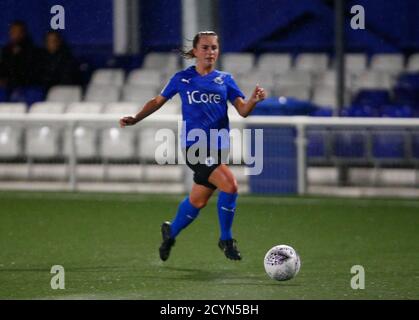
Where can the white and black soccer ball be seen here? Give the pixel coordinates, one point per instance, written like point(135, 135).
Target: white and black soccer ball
point(282, 262)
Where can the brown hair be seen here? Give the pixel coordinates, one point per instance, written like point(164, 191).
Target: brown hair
point(188, 54)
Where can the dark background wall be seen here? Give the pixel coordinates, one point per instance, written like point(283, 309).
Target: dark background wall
point(245, 25)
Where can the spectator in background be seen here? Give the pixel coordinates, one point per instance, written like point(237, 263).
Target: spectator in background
point(58, 65)
point(19, 59)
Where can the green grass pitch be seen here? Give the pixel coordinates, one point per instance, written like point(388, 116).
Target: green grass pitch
point(107, 244)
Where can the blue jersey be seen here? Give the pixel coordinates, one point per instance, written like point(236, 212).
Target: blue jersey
point(204, 101)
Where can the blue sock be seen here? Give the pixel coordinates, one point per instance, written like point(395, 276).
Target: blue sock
point(185, 215)
point(226, 207)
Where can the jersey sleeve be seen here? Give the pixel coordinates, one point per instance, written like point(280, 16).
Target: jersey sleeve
point(171, 88)
point(233, 90)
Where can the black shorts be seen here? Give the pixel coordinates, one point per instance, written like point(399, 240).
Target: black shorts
point(204, 164)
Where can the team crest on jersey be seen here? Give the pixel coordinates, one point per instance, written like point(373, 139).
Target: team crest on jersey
point(209, 161)
point(219, 80)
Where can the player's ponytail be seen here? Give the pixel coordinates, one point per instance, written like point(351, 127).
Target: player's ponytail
point(188, 54)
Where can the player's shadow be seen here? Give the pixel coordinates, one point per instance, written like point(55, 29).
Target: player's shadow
point(191, 274)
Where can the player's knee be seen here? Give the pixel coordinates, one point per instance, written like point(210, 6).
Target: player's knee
point(198, 203)
point(231, 186)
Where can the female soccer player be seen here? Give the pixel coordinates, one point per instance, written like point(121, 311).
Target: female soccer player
point(204, 92)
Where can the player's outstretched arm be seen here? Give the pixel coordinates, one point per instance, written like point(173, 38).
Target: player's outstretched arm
point(150, 107)
point(244, 108)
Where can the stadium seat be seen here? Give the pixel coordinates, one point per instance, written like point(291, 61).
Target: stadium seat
point(137, 94)
point(349, 145)
point(372, 80)
point(85, 136)
point(360, 111)
point(293, 91)
point(413, 63)
point(145, 79)
point(47, 108)
point(117, 143)
point(43, 140)
point(28, 95)
point(406, 91)
point(12, 107)
point(274, 63)
point(325, 96)
point(3, 95)
point(265, 80)
point(373, 98)
point(388, 145)
point(11, 133)
point(65, 94)
point(109, 77)
point(164, 62)
point(355, 63)
point(312, 62)
point(295, 77)
point(102, 93)
point(238, 63)
point(396, 111)
point(10, 141)
point(388, 63)
point(328, 78)
point(415, 145)
point(317, 149)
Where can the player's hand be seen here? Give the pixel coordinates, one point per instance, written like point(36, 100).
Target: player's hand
point(127, 121)
point(258, 94)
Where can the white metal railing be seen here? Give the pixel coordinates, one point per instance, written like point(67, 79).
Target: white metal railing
point(71, 121)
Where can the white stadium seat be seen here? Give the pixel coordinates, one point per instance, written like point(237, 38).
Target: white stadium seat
point(65, 94)
point(145, 78)
point(42, 141)
point(11, 134)
point(111, 77)
point(10, 141)
point(274, 63)
point(47, 107)
point(265, 80)
point(294, 91)
point(328, 78)
point(413, 63)
point(85, 137)
point(295, 78)
point(355, 63)
point(312, 62)
point(386, 62)
point(372, 80)
point(102, 93)
point(137, 94)
point(238, 63)
point(10, 107)
point(325, 96)
point(162, 61)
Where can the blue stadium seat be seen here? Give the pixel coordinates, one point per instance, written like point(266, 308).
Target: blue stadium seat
point(349, 145)
point(372, 97)
point(415, 145)
point(29, 95)
point(322, 112)
point(360, 111)
point(388, 145)
point(316, 144)
point(395, 111)
point(3, 95)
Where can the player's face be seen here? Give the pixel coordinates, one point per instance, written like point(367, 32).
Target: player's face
point(207, 50)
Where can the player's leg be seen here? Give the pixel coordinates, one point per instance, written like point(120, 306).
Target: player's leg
point(189, 208)
point(224, 179)
point(187, 212)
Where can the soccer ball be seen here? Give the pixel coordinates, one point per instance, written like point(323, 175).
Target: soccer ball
point(282, 262)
